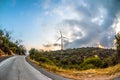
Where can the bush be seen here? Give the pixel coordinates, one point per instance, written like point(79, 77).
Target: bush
point(110, 61)
point(45, 60)
point(94, 62)
point(88, 66)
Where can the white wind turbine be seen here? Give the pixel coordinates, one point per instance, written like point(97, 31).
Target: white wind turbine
point(62, 40)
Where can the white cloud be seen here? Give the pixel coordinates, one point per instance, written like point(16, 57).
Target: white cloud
point(72, 32)
point(100, 15)
point(64, 12)
point(47, 3)
point(88, 22)
point(116, 25)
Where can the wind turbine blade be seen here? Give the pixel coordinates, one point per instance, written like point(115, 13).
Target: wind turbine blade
point(65, 37)
point(60, 33)
point(58, 39)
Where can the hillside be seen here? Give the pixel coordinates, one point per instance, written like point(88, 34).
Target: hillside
point(8, 46)
point(73, 63)
point(74, 58)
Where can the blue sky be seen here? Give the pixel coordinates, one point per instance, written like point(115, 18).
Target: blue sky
point(83, 22)
point(27, 20)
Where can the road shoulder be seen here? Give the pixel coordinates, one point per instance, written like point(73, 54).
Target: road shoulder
point(2, 58)
point(45, 72)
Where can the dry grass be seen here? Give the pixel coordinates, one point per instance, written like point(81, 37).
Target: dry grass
point(106, 73)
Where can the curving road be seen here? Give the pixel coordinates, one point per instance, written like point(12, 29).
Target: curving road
point(16, 68)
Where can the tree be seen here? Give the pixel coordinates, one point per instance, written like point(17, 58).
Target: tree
point(1, 35)
point(33, 51)
point(22, 50)
point(8, 46)
point(117, 43)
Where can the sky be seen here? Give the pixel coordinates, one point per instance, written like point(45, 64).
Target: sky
point(85, 23)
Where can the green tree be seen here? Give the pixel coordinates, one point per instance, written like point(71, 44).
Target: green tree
point(8, 46)
point(1, 35)
point(33, 52)
point(117, 43)
point(21, 50)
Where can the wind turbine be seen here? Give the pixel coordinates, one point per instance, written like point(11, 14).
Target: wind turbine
point(62, 40)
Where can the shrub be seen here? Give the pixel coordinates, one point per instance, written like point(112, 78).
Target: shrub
point(87, 66)
point(94, 62)
point(45, 60)
point(110, 61)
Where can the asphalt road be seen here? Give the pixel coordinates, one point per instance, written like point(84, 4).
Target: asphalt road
point(16, 68)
